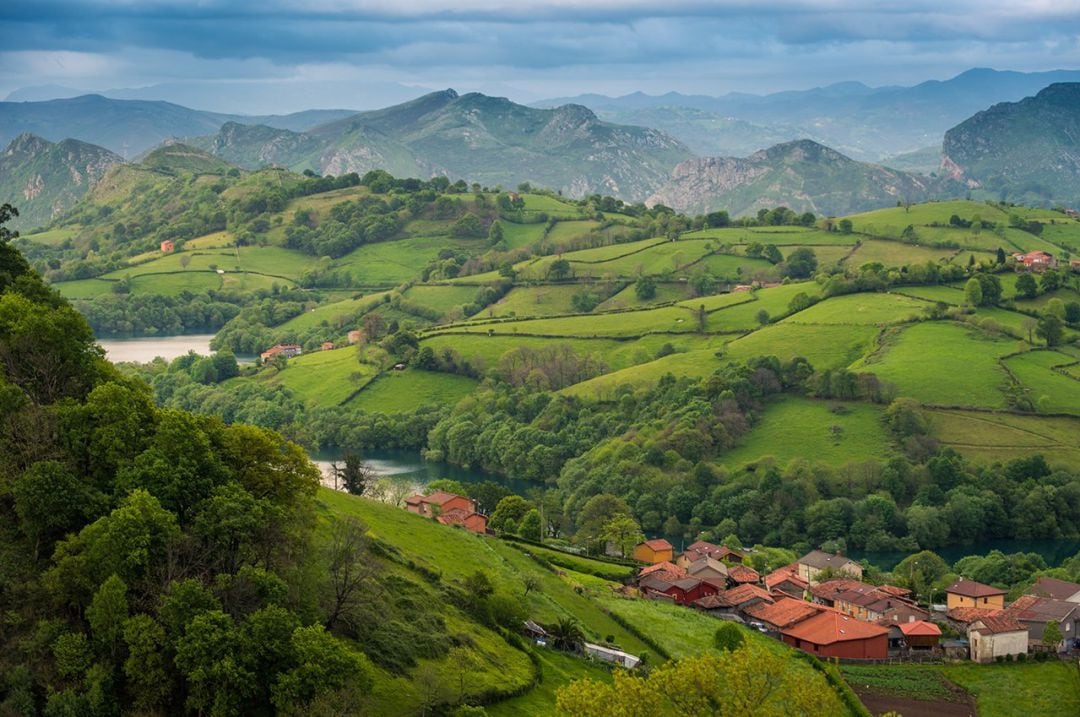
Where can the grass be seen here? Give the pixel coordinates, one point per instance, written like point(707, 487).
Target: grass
point(693, 364)
point(393, 262)
point(1051, 392)
point(804, 428)
point(944, 363)
point(442, 298)
point(337, 313)
point(548, 300)
point(1048, 688)
point(890, 222)
point(325, 378)
point(730, 267)
point(824, 346)
point(892, 253)
point(559, 670)
point(83, 288)
point(519, 235)
point(625, 324)
point(216, 240)
point(627, 298)
point(405, 391)
point(989, 437)
point(53, 237)
point(874, 309)
point(566, 232)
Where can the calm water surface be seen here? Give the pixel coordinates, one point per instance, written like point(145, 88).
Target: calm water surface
point(147, 348)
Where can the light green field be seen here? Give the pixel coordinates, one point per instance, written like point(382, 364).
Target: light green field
point(984, 240)
point(405, 391)
point(742, 316)
point(550, 205)
point(780, 236)
point(335, 314)
point(217, 240)
point(948, 294)
point(694, 364)
point(548, 300)
point(991, 437)
point(1029, 242)
point(53, 237)
point(626, 260)
point(392, 262)
point(734, 268)
point(429, 227)
point(559, 670)
point(891, 221)
point(862, 309)
point(1066, 233)
point(804, 428)
point(321, 203)
point(627, 298)
point(195, 282)
point(83, 288)
point(519, 235)
point(566, 232)
point(1051, 392)
point(827, 256)
point(892, 253)
point(270, 260)
point(944, 363)
point(325, 378)
point(824, 346)
point(627, 323)
point(441, 298)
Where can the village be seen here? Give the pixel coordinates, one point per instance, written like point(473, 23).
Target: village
point(821, 604)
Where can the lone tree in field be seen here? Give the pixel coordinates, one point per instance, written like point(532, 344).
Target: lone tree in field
point(1050, 330)
point(559, 270)
point(728, 637)
point(973, 294)
point(1026, 286)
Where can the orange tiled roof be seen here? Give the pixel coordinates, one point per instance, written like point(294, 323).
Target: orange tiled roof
point(971, 614)
point(920, 628)
point(998, 624)
point(657, 544)
point(829, 626)
point(743, 574)
point(745, 593)
point(665, 566)
point(784, 612)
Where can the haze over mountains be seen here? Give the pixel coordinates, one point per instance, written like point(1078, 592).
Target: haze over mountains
point(816, 150)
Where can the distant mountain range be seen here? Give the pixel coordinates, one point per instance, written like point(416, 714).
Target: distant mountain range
point(868, 123)
point(490, 140)
point(1027, 151)
point(802, 175)
point(130, 127)
point(44, 179)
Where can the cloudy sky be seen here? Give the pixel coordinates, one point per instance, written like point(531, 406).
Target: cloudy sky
point(284, 55)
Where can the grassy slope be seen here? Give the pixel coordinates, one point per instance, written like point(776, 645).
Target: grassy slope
point(1001, 436)
point(326, 378)
point(405, 391)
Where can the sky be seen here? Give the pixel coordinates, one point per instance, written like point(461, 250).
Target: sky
point(264, 56)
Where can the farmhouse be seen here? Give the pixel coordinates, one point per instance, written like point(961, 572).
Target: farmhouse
point(920, 634)
point(473, 521)
point(1034, 612)
point(968, 593)
point(830, 634)
point(327, 346)
point(682, 591)
point(702, 549)
point(786, 581)
point(437, 503)
point(866, 602)
point(781, 614)
point(1038, 261)
point(167, 246)
point(665, 571)
point(817, 561)
point(654, 551)
point(744, 596)
point(992, 637)
point(286, 350)
point(354, 336)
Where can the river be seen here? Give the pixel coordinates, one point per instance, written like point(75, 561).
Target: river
point(146, 348)
point(410, 468)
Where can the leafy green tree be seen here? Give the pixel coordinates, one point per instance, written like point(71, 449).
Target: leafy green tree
point(325, 667)
point(208, 657)
point(1050, 281)
point(529, 527)
point(511, 508)
point(772, 254)
point(645, 288)
point(991, 288)
point(718, 219)
point(1072, 312)
point(229, 526)
point(73, 654)
point(845, 226)
point(51, 502)
point(1026, 286)
point(468, 226)
point(107, 613)
point(559, 269)
point(801, 263)
point(1052, 634)
point(728, 637)
point(623, 532)
point(495, 233)
point(973, 295)
point(1055, 307)
point(1050, 329)
point(149, 679)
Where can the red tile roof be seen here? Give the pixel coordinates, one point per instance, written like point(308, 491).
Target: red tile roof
point(919, 628)
point(1054, 588)
point(440, 497)
point(1030, 608)
point(829, 626)
point(972, 589)
point(894, 591)
point(971, 614)
point(784, 612)
point(713, 602)
point(666, 570)
point(743, 574)
point(997, 624)
point(657, 544)
point(746, 593)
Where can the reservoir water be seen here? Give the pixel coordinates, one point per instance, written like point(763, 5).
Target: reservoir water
point(146, 348)
point(410, 467)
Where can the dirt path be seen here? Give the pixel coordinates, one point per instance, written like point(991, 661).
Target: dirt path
point(879, 704)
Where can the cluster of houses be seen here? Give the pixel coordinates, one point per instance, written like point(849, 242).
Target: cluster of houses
point(820, 604)
point(448, 509)
point(1040, 261)
point(286, 350)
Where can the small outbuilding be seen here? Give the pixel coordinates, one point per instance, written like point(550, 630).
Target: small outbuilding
point(654, 551)
point(830, 634)
point(920, 634)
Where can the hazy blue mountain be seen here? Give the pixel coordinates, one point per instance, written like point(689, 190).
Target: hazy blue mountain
point(802, 175)
point(131, 126)
point(1026, 151)
point(44, 179)
point(864, 122)
point(474, 137)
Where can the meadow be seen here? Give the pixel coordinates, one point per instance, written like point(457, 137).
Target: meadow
point(324, 378)
point(405, 391)
point(1050, 391)
point(998, 436)
point(824, 346)
point(873, 309)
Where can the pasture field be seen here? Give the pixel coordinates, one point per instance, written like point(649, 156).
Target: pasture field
point(551, 206)
point(337, 313)
point(882, 221)
point(216, 240)
point(442, 298)
point(623, 324)
point(321, 203)
point(990, 437)
point(983, 240)
point(716, 302)
point(194, 281)
point(429, 227)
point(1064, 233)
point(392, 262)
point(892, 253)
point(519, 235)
point(405, 391)
point(324, 378)
point(824, 346)
point(269, 260)
point(780, 236)
point(740, 316)
point(546, 300)
point(862, 309)
point(731, 267)
point(944, 363)
point(53, 237)
point(1050, 391)
point(826, 255)
point(694, 364)
point(566, 232)
point(666, 291)
point(83, 288)
point(1025, 241)
point(832, 432)
point(952, 295)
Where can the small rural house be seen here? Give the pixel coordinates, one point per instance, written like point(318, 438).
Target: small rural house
point(741, 575)
point(817, 561)
point(1037, 261)
point(167, 246)
point(665, 571)
point(286, 350)
point(706, 567)
point(610, 654)
point(992, 637)
point(960, 618)
point(781, 614)
point(654, 551)
point(702, 549)
point(786, 580)
point(830, 634)
point(683, 591)
point(448, 509)
point(327, 346)
point(1056, 589)
point(865, 601)
point(354, 336)
point(1034, 612)
point(920, 634)
point(968, 593)
point(744, 596)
